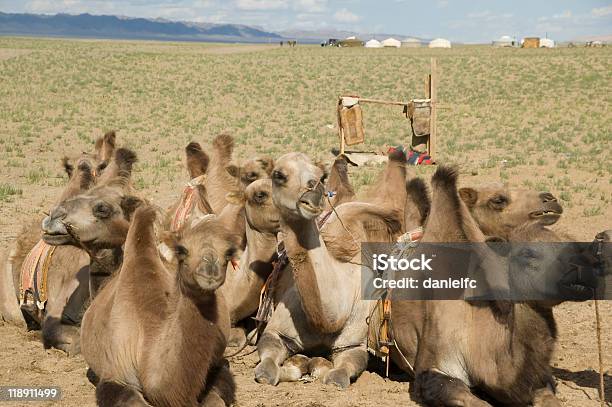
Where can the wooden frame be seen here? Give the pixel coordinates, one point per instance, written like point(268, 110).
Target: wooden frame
point(431, 99)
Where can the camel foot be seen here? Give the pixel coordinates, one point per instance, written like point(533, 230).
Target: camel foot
point(113, 394)
point(338, 377)
point(237, 338)
point(267, 372)
point(546, 398)
point(441, 390)
point(318, 367)
point(294, 368)
point(212, 399)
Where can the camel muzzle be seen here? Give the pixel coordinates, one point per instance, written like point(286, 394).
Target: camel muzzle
point(54, 229)
point(550, 211)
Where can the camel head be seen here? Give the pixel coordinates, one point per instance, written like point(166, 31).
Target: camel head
point(97, 218)
point(498, 208)
point(298, 186)
point(261, 214)
point(544, 265)
point(252, 170)
point(203, 253)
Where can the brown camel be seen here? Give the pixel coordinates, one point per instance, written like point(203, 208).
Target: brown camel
point(183, 300)
point(499, 209)
point(66, 286)
point(317, 303)
point(456, 347)
point(338, 183)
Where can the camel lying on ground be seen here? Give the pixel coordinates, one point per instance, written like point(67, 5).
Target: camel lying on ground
point(317, 303)
point(146, 308)
point(456, 348)
point(67, 281)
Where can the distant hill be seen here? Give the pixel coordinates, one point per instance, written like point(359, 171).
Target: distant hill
point(105, 26)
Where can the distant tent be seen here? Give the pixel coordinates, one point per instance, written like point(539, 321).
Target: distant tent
point(530, 42)
point(546, 43)
point(505, 41)
point(391, 43)
point(440, 43)
point(373, 44)
point(411, 43)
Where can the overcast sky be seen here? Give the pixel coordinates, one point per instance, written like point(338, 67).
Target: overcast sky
point(458, 20)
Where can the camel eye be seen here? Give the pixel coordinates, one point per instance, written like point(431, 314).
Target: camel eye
point(499, 201)
point(260, 196)
point(252, 176)
point(102, 166)
point(230, 253)
point(102, 210)
point(278, 177)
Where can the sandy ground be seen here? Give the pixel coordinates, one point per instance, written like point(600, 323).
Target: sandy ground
point(23, 361)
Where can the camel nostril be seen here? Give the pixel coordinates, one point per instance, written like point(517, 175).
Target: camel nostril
point(548, 197)
point(58, 213)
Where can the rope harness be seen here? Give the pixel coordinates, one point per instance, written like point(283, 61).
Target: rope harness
point(185, 207)
point(33, 281)
point(380, 325)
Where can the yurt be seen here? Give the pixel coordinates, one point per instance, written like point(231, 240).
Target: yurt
point(411, 43)
point(440, 43)
point(546, 43)
point(373, 44)
point(391, 43)
point(505, 41)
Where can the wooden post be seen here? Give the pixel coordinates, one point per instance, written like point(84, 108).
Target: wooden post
point(433, 96)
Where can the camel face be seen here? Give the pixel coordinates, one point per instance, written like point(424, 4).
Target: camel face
point(261, 214)
point(298, 186)
point(203, 253)
point(252, 170)
point(498, 208)
point(98, 218)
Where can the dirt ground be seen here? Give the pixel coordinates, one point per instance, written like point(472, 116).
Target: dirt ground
point(23, 361)
point(160, 96)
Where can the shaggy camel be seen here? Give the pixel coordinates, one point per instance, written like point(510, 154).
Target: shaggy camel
point(174, 303)
point(67, 267)
point(317, 302)
point(499, 209)
point(456, 347)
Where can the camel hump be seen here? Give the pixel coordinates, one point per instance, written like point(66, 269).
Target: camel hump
point(197, 160)
point(445, 177)
point(141, 241)
point(125, 159)
point(224, 144)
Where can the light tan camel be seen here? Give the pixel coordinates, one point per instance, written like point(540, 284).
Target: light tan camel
point(67, 268)
point(317, 303)
point(176, 313)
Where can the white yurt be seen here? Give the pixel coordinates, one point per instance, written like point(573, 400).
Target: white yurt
point(391, 43)
point(546, 43)
point(505, 41)
point(373, 44)
point(411, 43)
point(440, 43)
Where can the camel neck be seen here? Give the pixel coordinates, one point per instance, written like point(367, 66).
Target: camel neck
point(103, 264)
point(319, 284)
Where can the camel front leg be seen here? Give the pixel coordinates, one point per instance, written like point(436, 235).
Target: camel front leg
point(114, 394)
point(272, 352)
point(221, 388)
point(348, 365)
point(438, 389)
point(9, 306)
point(545, 397)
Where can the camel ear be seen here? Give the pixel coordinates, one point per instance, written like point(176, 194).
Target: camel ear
point(235, 198)
point(233, 170)
point(267, 164)
point(197, 160)
point(469, 196)
point(322, 166)
point(68, 167)
point(129, 203)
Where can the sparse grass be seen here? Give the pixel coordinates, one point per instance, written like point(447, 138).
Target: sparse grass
point(8, 191)
point(534, 118)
